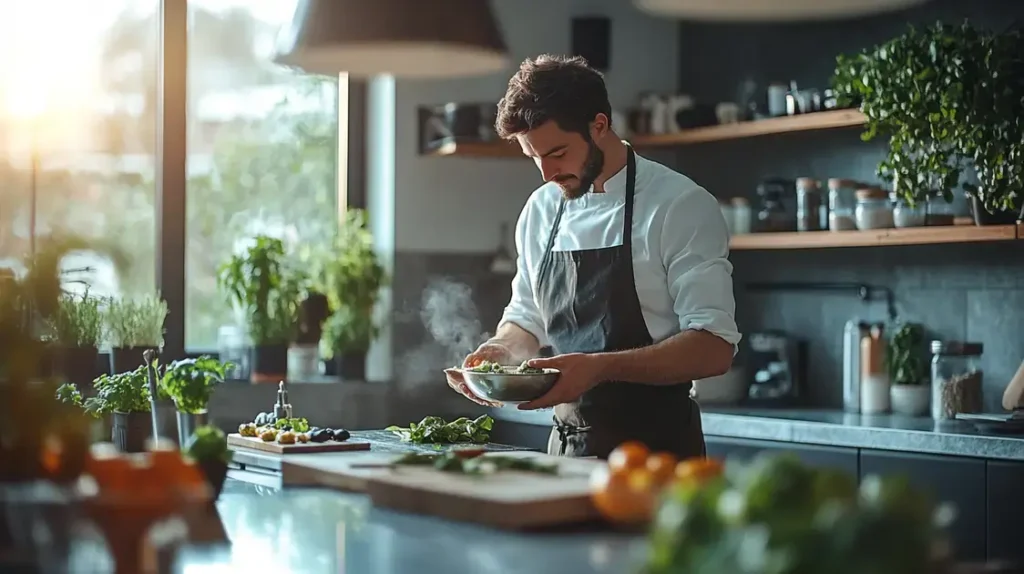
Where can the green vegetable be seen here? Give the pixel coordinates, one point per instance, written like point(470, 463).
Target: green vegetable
point(208, 444)
point(779, 516)
point(492, 367)
point(296, 424)
point(136, 322)
point(189, 382)
point(905, 356)
point(123, 393)
point(452, 462)
point(436, 430)
point(78, 321)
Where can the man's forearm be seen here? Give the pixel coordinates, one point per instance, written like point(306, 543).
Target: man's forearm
point(683, 357)
point(522, 345)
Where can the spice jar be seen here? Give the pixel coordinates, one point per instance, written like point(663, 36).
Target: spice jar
point(841, 204)
point(773, 215)
point(874, 210)
point(956, 379)
point(808, 205)
point(874, 383)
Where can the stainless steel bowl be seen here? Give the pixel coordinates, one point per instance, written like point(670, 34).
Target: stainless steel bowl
point(510, 388)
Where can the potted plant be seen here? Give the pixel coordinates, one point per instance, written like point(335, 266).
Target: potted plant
point(261, 285)
point(124, 396)
point(75, 330)
point(351, 275)
point(133, 326)
point(905, 362)
point(208, 447)
point(949, 97)
point(189, 383)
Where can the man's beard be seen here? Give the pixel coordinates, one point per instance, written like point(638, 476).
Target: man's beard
point(588, 174)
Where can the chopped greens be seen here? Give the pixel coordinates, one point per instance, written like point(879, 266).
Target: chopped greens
point(434, 430)
point(452, 462)
point(492, 367)
point(295, 424)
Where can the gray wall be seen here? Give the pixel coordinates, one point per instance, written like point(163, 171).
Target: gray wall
point(973, 292)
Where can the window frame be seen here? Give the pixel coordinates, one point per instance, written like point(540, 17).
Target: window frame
point(171, 162)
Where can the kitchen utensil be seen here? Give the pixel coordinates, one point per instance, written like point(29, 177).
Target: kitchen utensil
point(256, 443)
point(505, 499)
point(148, 355)
point(509, 387)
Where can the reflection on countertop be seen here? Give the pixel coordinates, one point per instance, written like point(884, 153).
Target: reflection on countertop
point(304, 530)
point(835, 428)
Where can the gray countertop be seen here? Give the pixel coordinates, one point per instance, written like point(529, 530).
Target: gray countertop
point(836, 428)
point(300, 530)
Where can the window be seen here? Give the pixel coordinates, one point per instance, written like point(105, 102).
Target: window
point(262, 150)
point(77, 137)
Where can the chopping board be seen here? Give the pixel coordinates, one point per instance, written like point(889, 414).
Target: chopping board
point(255, 443)
point(506, 499)
point(342, 471)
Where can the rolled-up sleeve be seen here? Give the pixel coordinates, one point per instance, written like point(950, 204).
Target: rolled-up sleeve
point(522, 308)
point(695, 252)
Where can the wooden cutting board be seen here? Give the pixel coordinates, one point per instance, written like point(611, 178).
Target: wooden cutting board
point(506, 499)
point(343, 471)
point(255, 443)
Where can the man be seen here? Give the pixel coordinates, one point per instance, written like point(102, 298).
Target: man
point(622, 270)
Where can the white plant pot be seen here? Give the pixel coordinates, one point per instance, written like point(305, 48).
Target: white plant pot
point(911, 400)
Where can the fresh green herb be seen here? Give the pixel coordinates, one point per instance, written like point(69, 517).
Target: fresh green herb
point(452, 462)
point(208, 444)
point(136, 322)
point(905, 356)
point(189, 382)
point(492, 367)
point(122, 393)
point(78, 321)
point(296, 424)
point(436, 430)
point(69, 394)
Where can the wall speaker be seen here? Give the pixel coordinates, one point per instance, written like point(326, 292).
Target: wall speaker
point(592, 39)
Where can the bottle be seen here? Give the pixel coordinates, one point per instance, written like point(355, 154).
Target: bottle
point(874, 384)
point(853, 333)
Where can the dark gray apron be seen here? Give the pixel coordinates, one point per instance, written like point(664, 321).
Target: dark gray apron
point(589, 303)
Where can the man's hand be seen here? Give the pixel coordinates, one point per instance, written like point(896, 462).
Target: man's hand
point(489, 351)
point(580, 372)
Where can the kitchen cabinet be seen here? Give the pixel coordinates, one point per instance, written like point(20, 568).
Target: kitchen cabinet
point(831, 457)
point(958, 480)
point(1004, 505)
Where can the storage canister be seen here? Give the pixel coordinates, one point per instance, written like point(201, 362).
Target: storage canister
point(874, 209)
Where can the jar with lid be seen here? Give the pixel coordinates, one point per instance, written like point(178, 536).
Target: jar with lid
point(808, 205)
point(874, 210)
point(741, 214)
point(874, 383)
point(841, 204)
point(773, 215)
point(906, 215)
point(956, 378)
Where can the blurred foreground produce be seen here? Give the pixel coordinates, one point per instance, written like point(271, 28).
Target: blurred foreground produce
point(778, 516)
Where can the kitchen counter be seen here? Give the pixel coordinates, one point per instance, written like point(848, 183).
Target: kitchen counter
point(302, 530)
point(835, 428)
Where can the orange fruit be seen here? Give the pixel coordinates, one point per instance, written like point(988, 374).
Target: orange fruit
point(662, 467)
point(698, 470)
point(622, 496)
point(630, 454)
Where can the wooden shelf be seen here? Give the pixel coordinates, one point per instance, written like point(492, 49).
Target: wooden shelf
point(802, 123)
point(878, 237)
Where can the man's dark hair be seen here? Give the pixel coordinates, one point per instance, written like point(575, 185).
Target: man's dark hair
point(559, 88)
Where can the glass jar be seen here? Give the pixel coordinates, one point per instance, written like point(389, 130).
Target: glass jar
point(874, 210)
point(773, 216)
point(808, 205)
point(903, 215)
point(741, 213)
point(956, 378)
point(940, 212)
point(841, 202)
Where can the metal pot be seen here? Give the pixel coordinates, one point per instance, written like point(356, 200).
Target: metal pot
point(187, 424)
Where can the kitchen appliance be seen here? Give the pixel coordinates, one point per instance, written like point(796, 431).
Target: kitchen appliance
point(776, 364)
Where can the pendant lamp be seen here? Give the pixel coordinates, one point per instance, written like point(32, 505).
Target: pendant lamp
point(403, 38)
point(771, 10)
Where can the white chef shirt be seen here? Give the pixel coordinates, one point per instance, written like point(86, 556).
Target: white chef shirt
point(681, 268)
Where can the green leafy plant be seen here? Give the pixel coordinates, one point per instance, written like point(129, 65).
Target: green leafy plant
point(351, 275)
point(77, 322)
point(190, 382)
point(945, 95)
point(435, 430)
point(266, 289)
point(208, 444)
point(122, 393)
point(136, 322)
point(905, 356)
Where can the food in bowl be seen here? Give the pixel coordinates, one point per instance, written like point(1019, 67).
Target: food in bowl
point(498, 369)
